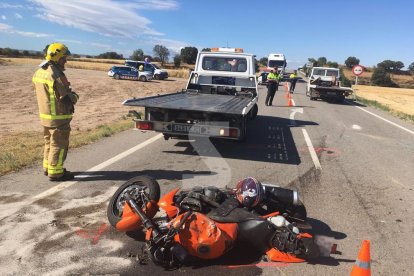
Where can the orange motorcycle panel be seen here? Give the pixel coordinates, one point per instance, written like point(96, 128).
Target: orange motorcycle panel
point(131, 221)
point(203, 238)
point(167, 204)
point(279, 256)
point(304, 235)
point(229, 228)
point(148, 234)
point(271, 215)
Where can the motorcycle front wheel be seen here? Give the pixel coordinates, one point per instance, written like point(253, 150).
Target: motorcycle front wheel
point(141, 188)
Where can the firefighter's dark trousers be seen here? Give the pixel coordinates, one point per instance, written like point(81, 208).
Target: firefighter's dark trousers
point(56, 149)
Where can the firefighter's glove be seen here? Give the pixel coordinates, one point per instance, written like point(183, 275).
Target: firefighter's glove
point(190, 203)
point(73, 97)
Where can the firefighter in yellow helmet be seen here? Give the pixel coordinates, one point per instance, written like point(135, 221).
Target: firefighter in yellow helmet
point(56, 102)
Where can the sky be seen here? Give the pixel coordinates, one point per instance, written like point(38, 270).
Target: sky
point(371, 30)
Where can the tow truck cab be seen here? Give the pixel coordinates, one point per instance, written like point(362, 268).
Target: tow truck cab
point(224, 70)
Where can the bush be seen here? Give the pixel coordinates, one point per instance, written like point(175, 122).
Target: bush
point(380, 77)
point(344, 80)
point(177, 61)
point(351, 62)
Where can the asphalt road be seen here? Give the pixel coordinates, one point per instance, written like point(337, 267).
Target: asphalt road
point(354, 172)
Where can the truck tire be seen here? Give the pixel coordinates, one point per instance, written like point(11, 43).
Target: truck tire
point(253, 112)
point(139, 183)
point(116, 76)
point(157, 77)
point(143, 78)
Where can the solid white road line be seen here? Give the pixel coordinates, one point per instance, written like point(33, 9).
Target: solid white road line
point(312, 151)
point(99, 167)
point(379, 117)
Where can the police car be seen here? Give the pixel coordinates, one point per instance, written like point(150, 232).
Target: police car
point(129, 73)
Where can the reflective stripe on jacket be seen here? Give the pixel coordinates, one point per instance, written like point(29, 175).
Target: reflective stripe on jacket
point(51, 88)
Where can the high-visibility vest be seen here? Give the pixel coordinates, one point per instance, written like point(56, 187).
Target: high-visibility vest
point(292, 76)
point(273, 76)
point(53, 110)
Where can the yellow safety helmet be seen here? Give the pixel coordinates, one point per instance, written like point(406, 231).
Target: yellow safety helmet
point(56, 51)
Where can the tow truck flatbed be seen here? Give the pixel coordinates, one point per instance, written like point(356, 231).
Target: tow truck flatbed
point(190, 100)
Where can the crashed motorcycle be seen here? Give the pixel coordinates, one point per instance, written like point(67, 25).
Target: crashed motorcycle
point(205, 223)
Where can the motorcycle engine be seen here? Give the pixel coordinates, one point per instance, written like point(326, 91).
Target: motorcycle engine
point(285, 241)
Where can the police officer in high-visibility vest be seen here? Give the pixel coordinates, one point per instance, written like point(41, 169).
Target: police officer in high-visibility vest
point(293, 78)
point(273, 83)
point(56, 102)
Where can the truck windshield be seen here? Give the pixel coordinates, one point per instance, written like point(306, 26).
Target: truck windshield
point(332, 73)
point(224, 64)
point(276, 63)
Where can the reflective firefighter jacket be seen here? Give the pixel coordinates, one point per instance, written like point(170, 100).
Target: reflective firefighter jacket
point(54, 96)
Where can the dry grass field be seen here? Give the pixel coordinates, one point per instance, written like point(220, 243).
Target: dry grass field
point(402, 80)
point(99, 112)
point(89, 64)
point(396, 99)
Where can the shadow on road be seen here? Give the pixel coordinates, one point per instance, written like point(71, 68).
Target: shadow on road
point(269, 140)
point(325, 237)
point(125, 175)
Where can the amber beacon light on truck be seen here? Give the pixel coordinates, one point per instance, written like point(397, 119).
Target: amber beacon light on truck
point(231, 50)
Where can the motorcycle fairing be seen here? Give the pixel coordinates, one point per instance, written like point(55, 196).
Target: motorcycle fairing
point(203, 238)
point(279, 256)
point(167, 203)
point(131, 221)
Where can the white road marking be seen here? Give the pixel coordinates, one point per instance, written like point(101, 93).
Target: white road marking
point(357, 127)
point(293, 113)
point(312, 151)
point(99, 167)
point(379, 117)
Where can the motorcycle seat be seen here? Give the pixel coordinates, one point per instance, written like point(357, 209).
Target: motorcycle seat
point(230, 212)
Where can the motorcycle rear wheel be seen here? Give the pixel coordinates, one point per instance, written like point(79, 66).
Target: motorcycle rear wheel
point(144, 188)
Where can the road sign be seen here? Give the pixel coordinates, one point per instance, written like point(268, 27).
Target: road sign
point(358, 70)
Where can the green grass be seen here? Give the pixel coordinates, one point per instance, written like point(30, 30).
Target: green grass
point(26, 148)
point(401, 115)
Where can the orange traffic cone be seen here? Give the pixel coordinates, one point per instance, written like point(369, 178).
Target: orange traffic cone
point(290, 101)
point(362, 266)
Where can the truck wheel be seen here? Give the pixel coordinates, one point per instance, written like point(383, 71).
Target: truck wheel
point(312, 98)
point(116, 76)
point(253, 112)
point(143, 78)
point(157, 77)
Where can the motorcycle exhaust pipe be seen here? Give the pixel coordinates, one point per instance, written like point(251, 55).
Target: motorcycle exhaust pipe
point(283, 195)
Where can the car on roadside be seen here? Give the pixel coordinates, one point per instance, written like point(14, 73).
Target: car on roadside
point(157, 72)
point(129, 73)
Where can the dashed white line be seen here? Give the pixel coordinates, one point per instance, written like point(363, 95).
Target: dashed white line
point(99, 167)
point(312, 151)
point(379, 117)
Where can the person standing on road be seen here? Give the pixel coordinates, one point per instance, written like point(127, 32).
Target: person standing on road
point(293, 79)
point(56, 102)
point(273, 83)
